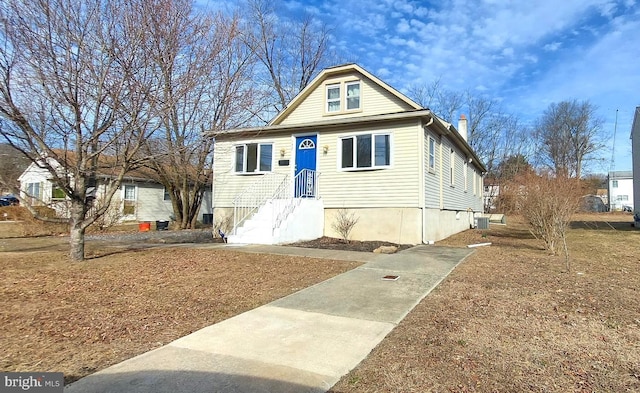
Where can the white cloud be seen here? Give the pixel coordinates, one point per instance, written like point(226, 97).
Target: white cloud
point(552, 47)
point(403, 27)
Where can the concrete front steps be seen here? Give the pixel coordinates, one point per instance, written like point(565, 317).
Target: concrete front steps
point(305, 222)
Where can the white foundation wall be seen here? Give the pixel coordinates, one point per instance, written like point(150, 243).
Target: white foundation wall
point(440, 224)
point(391, 224)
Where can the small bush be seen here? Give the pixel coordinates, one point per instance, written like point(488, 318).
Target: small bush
point(344, 223)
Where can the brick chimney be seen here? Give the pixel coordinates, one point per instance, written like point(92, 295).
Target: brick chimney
point(462, 127)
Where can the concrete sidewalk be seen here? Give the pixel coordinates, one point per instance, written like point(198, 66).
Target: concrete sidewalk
point(304, 342)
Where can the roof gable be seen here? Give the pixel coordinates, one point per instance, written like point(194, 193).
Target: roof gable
point(376, 96)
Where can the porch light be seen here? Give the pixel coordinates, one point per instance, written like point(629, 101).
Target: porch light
point(282, 151)
point(325, 149)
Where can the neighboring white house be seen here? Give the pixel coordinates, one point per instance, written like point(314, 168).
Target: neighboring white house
point(138, 198)
point(635, 149)
point(621, 191)
point(348, 143)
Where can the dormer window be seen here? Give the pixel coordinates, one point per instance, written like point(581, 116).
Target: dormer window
point(338, 102)
point(333, 98)
point(353, 95)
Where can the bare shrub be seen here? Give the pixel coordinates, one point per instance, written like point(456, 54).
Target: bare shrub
point(547, 204)
point(344, 223)
point(112, 215)
point(224, 224)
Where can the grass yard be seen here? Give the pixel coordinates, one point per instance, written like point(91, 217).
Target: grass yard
point(78, 318)
point(512, 319)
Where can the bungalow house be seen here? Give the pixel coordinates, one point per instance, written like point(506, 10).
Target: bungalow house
point(139, 198)
point(348, 145)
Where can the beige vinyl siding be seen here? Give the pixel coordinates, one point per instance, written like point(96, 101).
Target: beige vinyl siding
point(227, 184)
point(374, 100)
point(150, 203)
point(454, 196)
point(431, 176)
point(397, 186)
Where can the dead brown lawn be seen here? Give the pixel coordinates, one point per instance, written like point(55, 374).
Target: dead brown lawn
point(508, 319)
point(81, 317)
point(511, 319)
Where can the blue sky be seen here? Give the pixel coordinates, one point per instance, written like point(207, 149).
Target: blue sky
point(527, 54)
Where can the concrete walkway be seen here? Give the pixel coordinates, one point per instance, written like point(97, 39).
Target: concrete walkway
point(304, 342)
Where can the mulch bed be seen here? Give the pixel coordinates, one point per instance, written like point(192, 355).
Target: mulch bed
point(331, 243)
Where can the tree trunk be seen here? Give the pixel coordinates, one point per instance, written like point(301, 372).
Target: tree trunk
point(76, 232)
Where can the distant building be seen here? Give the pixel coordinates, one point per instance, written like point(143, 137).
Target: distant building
point(621, 190)
point(635, 146)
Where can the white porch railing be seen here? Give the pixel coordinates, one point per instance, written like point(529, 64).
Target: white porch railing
point(278, 189)
point(305, 185)
point(254, 196)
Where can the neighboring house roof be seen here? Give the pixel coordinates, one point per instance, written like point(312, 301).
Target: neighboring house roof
point(621, 175)
point(104, 170)
point(415, 111)
point(107, 168)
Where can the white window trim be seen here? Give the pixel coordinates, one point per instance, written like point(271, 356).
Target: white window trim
point(346, 90)
point(332, 100)
point(431, 143)
point(452, 167)
point(373, 154)
point(134, 200)
point(465, 175)
point(342, 99)
point(244, 160)
point(124, 192)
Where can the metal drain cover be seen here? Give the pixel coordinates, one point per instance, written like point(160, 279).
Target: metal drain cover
point(390, 278)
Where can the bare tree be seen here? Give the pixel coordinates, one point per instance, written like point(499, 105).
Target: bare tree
point(547, 203)
point(292, 52)
point(204, 71)
point(443, 102)
point(73, 91)
point(569, 135)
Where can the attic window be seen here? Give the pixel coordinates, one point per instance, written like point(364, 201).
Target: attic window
point(353, 95)
point(333, 98)
point(337, 102)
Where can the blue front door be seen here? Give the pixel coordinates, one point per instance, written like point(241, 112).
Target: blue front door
point(305, 184)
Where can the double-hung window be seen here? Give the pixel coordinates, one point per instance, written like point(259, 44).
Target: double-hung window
point(365, 151)
point(465, 174)
point(253, 158)
point(452, 168)
point(353, 95)
point(129, 203)
point(333, 98)
point(343, 97)
point(432, 154)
